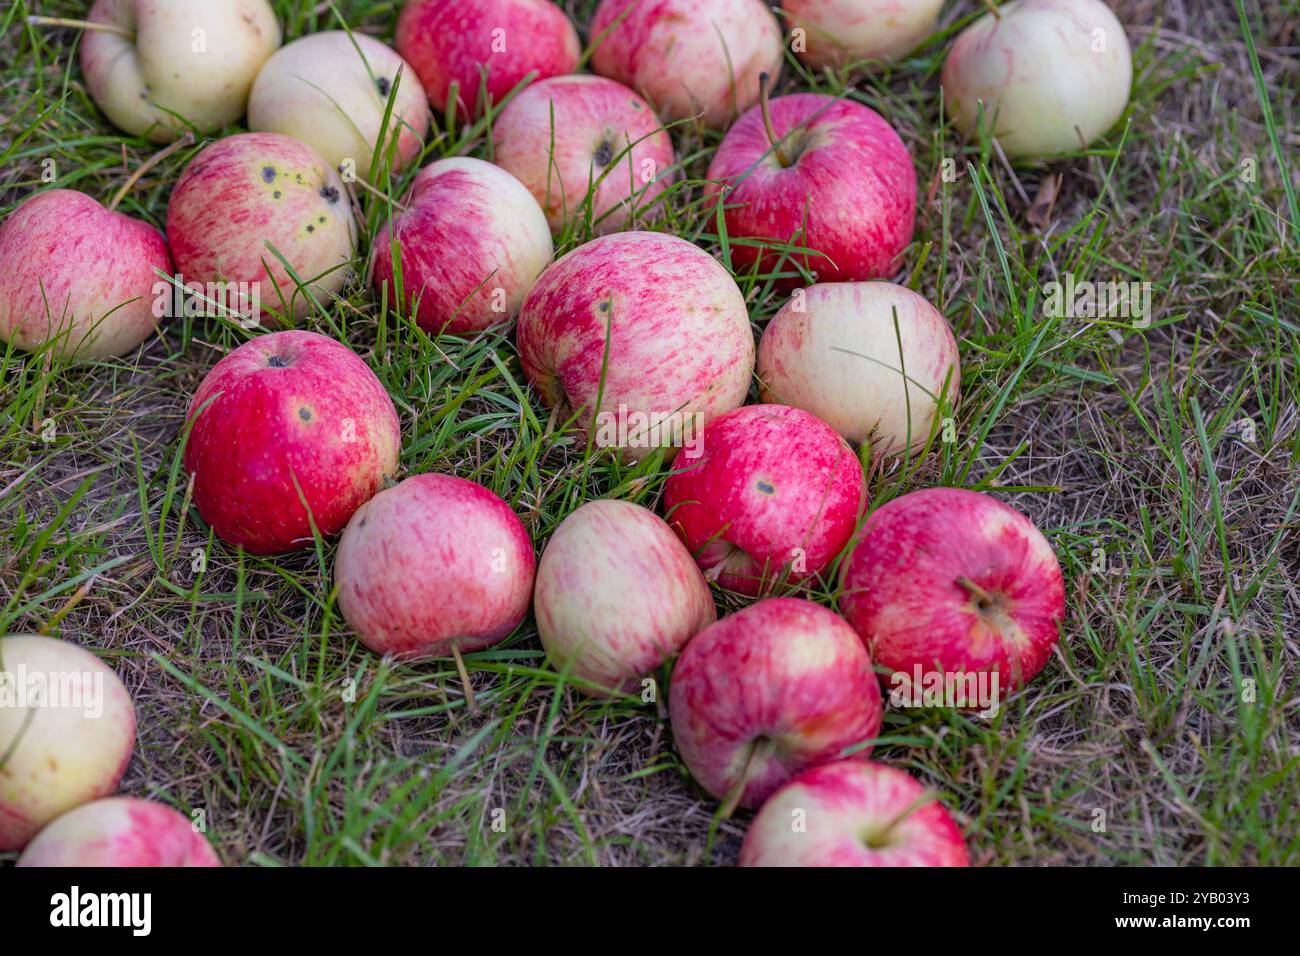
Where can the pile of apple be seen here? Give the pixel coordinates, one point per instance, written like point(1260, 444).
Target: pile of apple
point(291, 438)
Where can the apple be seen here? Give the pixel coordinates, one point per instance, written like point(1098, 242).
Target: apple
point(67, 728)
point(79, 275)
point(251, 193)
point(588, 149)
point(471, 240)
point(838, 183)
point(954, 582)
point(834, 350)
point(288, 419)
point(616, 595)
point(774, 498)
point(331, 91)
point(689, 57)
point(1052, 76)
point(853, 813)
point(840, 33)
point(478, 45)
point(165, 66)
point(642, 336)
point(434, 566)
point(767, 692)
point(120, 832)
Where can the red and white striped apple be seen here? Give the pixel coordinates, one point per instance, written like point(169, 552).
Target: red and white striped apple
point(253, 189)
point(839, 183)
point(840, 33)
point(475, 44)
point(774, 497)
point(834, 350)
point(67, 728)
point(642, 335)
point(120, 832)
point(767, 692)
point(616, 595)
point(689, 57)
point(1052, 76)
point(433, 566)
point(954, 582)
point(588, 149)
point(472, 243)
point(286, 420)
point(853, 813)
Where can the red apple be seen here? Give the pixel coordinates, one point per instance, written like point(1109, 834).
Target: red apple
point(871, 359)
point(774, 498)
point(769, 691)
point(121, 832)
point(689, 57)
point(840, 33)
point(253, 189)
point(617, 594)
point(954, 582)
point(79, 275)
point(284, 419)
point(643, 335)
point(434, 565)
point(853, 813)
point(67, 726)
point(472, 243)
point(477, 43)
point(588, 149)
point(840, 183)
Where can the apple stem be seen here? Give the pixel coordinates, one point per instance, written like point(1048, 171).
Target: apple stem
point(464, 681)
point(981, 596)
point(993, 9)
point(759, 751)
point(81, 25)
point(379, 194)
point(929, 796)
point(148, 164)
point(763, 81)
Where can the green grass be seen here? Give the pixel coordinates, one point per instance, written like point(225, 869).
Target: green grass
point(1164, 732)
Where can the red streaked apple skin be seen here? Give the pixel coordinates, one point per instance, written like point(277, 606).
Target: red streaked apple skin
point(849, 197)
point(775, 489)
point(783, 670)
point(842, 806)
point(120, 832)
point(433, 563)
point(680, 340)
point(76, 270)
point(838, 33)
point(689, 57)
point(283, 408)
point(451, 41)
point(473, 242)
point(560, 137)
point(901, 591)
point(249, 189)
point(617, 594)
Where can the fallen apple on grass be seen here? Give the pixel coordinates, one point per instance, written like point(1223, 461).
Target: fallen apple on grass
point(472, 243)
point(1051, 76)
point(773, 499)
point(67, 728)
point(249, 191)
point(616, 595)
point(840, 33)
point(871, 359)
point(463, 48)
point(290, 432)
point(331, 91)
point(827, 178)
point(588, 149)
point(767, 692)
point(689, 57)
point(641, 336)
point(954, 582)
point(120, 832)
point(853, 813)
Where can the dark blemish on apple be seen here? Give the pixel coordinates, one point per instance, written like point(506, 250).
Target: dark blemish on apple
point(384, 86)
point(329, 193)
point(304, 414)
point(310, 227)
point(277, 194)
point(268, 174)
point(276, 362)
point(603, 307)
point(604, 153)
point(321, 220)
point(766, 487)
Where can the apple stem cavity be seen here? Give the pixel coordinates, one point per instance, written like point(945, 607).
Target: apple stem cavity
point(763, 83)
point(879, 839)
point(470, 702)
point(148, 164)
point(983, 598)
point(80, 25)
point(759, 751)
